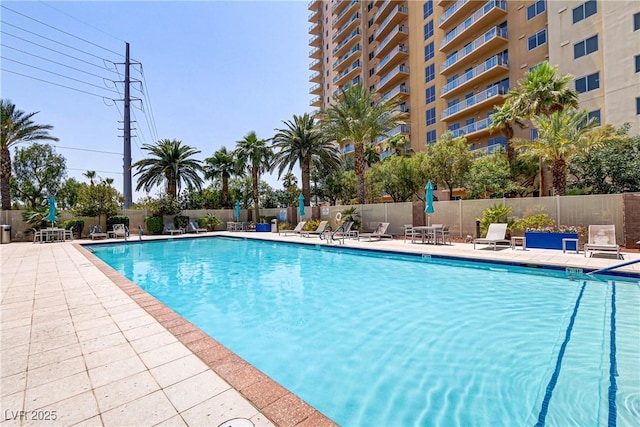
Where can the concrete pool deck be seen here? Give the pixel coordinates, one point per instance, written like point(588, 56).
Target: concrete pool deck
point(81, 343)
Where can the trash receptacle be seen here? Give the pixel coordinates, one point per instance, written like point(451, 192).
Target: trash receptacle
point(5, 233)
point(274, 225)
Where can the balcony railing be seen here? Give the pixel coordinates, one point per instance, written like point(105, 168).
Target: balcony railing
point(315, 75)
point(490, 63)
point(393, 132)
point(313, 51)
point(348, 148)
point(399, 29)
point(313, 26)
point(390, 75)
point(381, 9)
point(346, 87)
point(314, 63)
point(314, 38)
point(337, 18)
point(315, 87)
point(315, 99)
point(355, 33)
point(473, 127)
point(346, 56)
point(344, 27)
point(490, 148)
point(387, 58)
point(397, 9)
point(470, 102)
point(347, 71)
point(451, 10)
point(489, 6)
point(471, 47)
point(394, 92)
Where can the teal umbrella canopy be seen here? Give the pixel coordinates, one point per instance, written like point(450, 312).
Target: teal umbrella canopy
point(237, 210)
point(52, 210)
point(300, 205)
point(429, 198)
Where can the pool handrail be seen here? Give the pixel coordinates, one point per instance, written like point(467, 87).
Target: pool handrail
point(613, 267)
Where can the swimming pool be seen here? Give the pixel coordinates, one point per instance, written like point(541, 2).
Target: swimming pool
point(386, 339)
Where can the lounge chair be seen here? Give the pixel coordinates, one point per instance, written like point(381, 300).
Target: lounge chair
point(95, 232)
point(378, 234)
point(342, 232)
point(192, 227)
point(170, 229)
point(317, 232)
point(296, 230)
point(495, 235)
point(602, 238)
point(120, 230)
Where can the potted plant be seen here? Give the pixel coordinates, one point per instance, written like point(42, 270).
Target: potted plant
point(550, 237)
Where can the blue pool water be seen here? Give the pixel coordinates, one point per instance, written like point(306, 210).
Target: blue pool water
point(393, 340)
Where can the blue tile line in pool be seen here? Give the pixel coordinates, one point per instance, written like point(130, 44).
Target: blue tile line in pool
point(612, 358)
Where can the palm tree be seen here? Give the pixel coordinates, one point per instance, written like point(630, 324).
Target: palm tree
point(356, 117)
point(560, 135)
point(17, 126)
point(222, 165)
point(301, 143)
point(371, 154)
point(91, 175)
point(256, 155)
point(503, 119)
point(170, 163)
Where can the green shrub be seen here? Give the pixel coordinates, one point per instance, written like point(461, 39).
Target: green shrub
point(181, 221)
point(117, 219)
point(267, 219)
point(210, 222)
point(202, 223)
point(154, 224)
point(311, 225)
point(285, 226)
point(351, 214)
point(35, 217)
point(164, 205)
point(77, 224)
point(531, 222)
point(496, 213)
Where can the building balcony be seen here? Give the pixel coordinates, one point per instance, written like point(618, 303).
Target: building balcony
point(459, 8)
point(342, 16)
point(342, 61)
point(399, 53)
point(316, 89)
point(348, 148)
point(315, 76)
point(348, 74)
point(402, 91)
point(398, 14)
point(338, 92)
point(316, 52)
point(315, 27)
point(347, 43)
point(316, 64)
point(400, 73)
point(313, 4)
point(398, 130)
point(339, 6)
point(399, 34)
point(492, 67)
point(314, 14)
point(382, 11)
point(347, 27)
point(489, 149)
point(473, 130)
point(443, 3)
point(316, 101)
point(492, 96)
point(315, 40)
point(487, 42)
point(491, 11)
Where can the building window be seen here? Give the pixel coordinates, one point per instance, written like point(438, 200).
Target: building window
point(454, 126)
point(595, 114)
point(533, 134)
point(587, 83)
point(636, 21)
point(585, 10)
point(427, 9)
point(535, 9)
point(637, 63)
point(431, 136)
point(538, 39)
point(428, 51)
point(585, 47)
point(428, 29)
point(430, 94)
point(431, 116)
point(637, 105)
point(429, 73)
point(370, 23)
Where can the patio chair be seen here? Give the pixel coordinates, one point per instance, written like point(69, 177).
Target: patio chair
point(495, 234)
point(602, 238)
point(170, 229)
point(443, 233)
point(68, 233)
point(95, 232)
point(317, 232)
point(39, 235)
point(192, 227)
point(120, 230)
point(408, 232)
point(296, 230)
point(378, 234)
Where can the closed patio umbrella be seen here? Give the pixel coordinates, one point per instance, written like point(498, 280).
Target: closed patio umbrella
point(301, 205)
point(429, 201)
point(237, 211)
point(52, 210)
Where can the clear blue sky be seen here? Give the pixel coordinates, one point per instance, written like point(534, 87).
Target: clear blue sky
point(214, 70)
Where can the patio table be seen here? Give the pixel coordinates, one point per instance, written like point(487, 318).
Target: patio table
point(427, 232)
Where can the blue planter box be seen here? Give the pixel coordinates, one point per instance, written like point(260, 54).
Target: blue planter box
point(549, 240)
point(263, 228)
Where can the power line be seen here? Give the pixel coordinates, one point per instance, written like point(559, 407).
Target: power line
point(62, 31)
point(56, 84)
point(56, 74)
point(114, 173)
point(146, 94)
point(86, 149)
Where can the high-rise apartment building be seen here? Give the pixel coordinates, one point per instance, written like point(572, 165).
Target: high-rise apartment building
point(451, 62)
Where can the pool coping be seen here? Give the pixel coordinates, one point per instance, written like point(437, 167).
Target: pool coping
point(278, 404)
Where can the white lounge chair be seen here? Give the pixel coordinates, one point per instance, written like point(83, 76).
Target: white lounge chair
point(170, 229)
point(193, 227)
point(95, 232)
point(378, 234)
point(495, 235)
point(317, 232)
point(296, 230)
point(602, 238)
point(120, 230)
